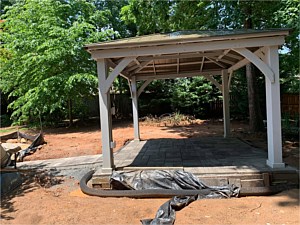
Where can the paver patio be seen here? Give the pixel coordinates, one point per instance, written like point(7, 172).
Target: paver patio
point(199, 155)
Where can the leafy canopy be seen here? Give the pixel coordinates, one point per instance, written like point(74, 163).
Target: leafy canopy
point(44, 64)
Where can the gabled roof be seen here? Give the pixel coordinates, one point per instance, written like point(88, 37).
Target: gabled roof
point(185, 36)
point(185, 53)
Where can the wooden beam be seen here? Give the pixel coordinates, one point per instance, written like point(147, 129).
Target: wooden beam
point(273, 111)
point(137, 62)
point(224, 53)
point(261, 65)
point(178, 63)
point(238, 57)
point(138, 65)
point(117, 70)
point(243, 62)
point(181, 56)
point(135, 113)
point(202, 63)
point(187, 48)
point(105, 116)
point(144, 85)
point(175, 64)
point(224, 60)
point(175, 75)
point(112, 65)
point(154, 67)
point(143, 64)
point(226, 108)
point(217, 63)
point(214, 81)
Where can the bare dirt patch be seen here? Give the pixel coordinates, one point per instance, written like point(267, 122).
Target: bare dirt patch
point(64, 203)
point(86, 138)
point(56, 205)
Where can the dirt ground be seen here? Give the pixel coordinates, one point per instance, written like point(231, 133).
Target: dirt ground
point(66, 204)
point(85, 139)
point(36, 205)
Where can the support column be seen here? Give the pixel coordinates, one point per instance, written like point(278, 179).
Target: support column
point(135, 113)
point(226, 113)
point(105, 116)
point(273, 111)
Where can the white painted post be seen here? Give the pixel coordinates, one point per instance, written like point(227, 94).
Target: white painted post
point(135, 112)
point(273, 110)
point(105, 116)
point(226, 113)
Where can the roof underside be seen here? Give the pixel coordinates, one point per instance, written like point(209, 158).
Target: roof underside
point(184, 53)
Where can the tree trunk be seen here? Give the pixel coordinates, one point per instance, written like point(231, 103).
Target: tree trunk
point(255, 116)
point(70, 107)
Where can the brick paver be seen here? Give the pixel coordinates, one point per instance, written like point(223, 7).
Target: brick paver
point(206, 153)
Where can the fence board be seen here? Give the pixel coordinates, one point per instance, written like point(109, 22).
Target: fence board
point(290, 104)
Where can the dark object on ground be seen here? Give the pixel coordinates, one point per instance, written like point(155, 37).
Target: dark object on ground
point(184, 187)
point(37, 140)
point(9, 182)
point(6, 155)
point(167, 180)
point(147, 193)
point(166, 212)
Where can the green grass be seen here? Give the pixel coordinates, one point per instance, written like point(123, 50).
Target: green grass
point(9, 130)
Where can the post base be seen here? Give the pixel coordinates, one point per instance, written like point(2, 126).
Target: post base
point(275, 165)
point(101, 178)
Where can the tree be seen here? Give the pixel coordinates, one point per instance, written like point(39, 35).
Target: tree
point(46, 68)
point(154, 16)
point(150, 16)
point(184, 95)
point(288, 17)
point(264, 15)
point(191, 95)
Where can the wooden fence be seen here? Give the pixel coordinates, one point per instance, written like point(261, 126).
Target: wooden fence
point(122, 104)
point(290, 104)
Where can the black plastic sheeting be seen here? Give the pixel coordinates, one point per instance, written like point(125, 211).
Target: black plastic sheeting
point(9, 182)
point(174, 180)
point(166, 213)
point(37, 140)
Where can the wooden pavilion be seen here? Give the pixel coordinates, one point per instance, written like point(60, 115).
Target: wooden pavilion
point(188, 54)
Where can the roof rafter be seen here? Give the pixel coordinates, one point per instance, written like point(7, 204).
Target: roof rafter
point(224, 53)
point(224, 60)
point(180, 56)
point(202, 63)
point(187, 48)
point(217, 63)
point(178, 64)
point(175, 75)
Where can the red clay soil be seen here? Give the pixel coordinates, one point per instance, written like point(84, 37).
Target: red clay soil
point(86, 140)
point(66, 204)
point(61, 206)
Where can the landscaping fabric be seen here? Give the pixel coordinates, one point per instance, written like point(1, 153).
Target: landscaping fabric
point(174, 180)
point(37, 140)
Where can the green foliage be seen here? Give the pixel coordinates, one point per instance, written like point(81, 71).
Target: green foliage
point(190, 95)
point(288, 16)
point(153, 16)
point(185, 95)
point(44, 64)
point(5, 121)
point(290, 125)
point(149, 16)
point(270, 14)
